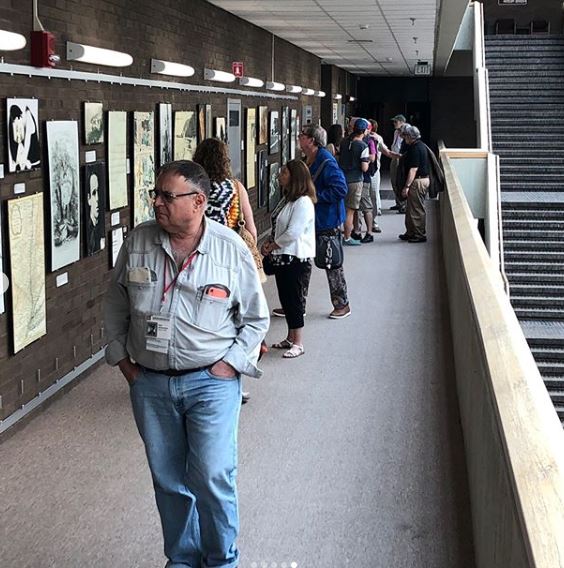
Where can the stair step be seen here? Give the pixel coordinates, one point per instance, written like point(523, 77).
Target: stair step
point(531, 186)
point(535, 290)
point(546, 279)
point(538, 255)
point(538, 303)
point(529, 161)
point(558, 398)
point(522, 266)
point(538, 216)
point(508, 178)
point(553, 382)
point(547, 355)
point(539, 314)
point(534, 168)
point(517, 153)
point(542, 246)
point(530, 235)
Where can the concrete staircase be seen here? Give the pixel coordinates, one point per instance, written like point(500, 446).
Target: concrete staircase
point(526, 76)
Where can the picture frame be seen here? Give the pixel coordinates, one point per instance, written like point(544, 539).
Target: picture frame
point(93, 123)
point(185, 134)
point(22, 134)
point(274, 133)
point(250, 147)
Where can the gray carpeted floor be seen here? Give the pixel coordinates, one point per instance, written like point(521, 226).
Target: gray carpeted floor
point(349, 456)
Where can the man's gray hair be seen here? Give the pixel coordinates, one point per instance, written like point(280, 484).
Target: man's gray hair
point(318, 133)
point(412, 132)
point(191, 171)
point(402, 129)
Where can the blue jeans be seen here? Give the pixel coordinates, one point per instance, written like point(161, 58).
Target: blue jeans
point(189, 427)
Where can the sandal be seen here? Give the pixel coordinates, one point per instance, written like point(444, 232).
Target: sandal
point(294, 351)
point(284, 344)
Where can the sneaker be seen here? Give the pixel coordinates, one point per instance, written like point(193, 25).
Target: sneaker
point(404, 237)
point(394, 207)
point(356, 236)
point(376, 228)
point(340, 314)
point(368, 238)
point(278, 312)
point(245, 397)
point(351, 242)
point(417, 240)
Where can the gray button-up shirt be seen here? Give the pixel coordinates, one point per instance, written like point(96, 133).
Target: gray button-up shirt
point(204, 328)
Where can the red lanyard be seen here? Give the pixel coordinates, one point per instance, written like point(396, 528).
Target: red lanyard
point(186, 264)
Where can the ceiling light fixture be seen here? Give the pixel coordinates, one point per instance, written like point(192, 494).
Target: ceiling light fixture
point(251, 82)
point(274, 86)
point(338, 97)
point(170, 68)
point(308, 92)
point(294, 89)
point(97, 55)
point(319, 93)
point(10, 41)
point(221, 76)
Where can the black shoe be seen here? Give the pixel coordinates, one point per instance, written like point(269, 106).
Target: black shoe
point(356, 236)
point(394, 207)
point(368, 238)
point(417, 240)
point(401, 211)
point(245, 397)
point(404, 237)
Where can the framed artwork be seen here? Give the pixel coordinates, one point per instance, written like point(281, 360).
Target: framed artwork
point(201, 122)
point(94, 205)
point(117, 159)
point(27, 269)
point(273, 186)
point(93, 123)
point(165, 133)
point(262, 125)
point(250, 146)
point(143, 166)
point(23, 134)
point(308, 115)
point(221, 129)
point(209, 123)
point(64, 185)
point(263, 178)
point(285, 140)
point(2, 305)
point(185, 135)
point(297, 135)
point(293, 132)
point(117, 241)
point(274, 137)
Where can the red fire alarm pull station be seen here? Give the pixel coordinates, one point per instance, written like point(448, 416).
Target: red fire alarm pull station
point(237, 68)
point(43, 49)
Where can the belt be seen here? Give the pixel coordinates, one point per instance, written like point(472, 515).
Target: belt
point(326, 232)
point(177, 372)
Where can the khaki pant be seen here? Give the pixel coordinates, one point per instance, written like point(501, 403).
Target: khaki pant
point(415, 213)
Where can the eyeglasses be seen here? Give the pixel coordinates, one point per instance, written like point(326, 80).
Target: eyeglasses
point(168, 196)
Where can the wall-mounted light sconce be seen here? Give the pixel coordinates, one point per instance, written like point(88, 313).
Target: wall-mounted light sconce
point(319, 93)
point(221, 76)
point(170, 68)
point(274, 86)
point(10, 41)
point(251, 82)
point(308, 92)
point(294, 89)
point(97, 55)
point(352, 99)
point(338, 97)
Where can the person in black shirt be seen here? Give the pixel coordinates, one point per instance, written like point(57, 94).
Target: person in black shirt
point(416, 186)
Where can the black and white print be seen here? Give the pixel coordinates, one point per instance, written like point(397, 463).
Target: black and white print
point(23, 135)
point(165, 133)
point(274, 133)
point(94, 183)
point(93, 123)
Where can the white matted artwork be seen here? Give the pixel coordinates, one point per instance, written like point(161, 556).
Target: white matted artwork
point(185, 134)
point(274, 133)
point(284, 138)
point(93, 123)
point(117, 241)
point(23, 134)
point(293, 135)
point(209, 123)
point(250, 147)
point(143, 166)
point(64, 185)
point(117, 159)
point(221, 129)
point(27, 269)
point(165, 133)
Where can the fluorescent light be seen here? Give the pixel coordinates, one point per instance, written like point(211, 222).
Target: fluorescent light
point(97, 55)
point(319, 93)
point(170, 68)
point(273, 86)
point(221, 76)
point(10, 41)
point(294, 89)
point(251, 82)
point(308, 92)
point(338, 97)
point(352, 99)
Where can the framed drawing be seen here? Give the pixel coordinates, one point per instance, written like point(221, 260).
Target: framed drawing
point(221, 129)
point(209, 123)
point(273, 186)
point(143, 166)
point(274, 137)
point(2, 282)
point(297, 135)
point(250, 147)
point(94, 182)
point(117, 159)
point(185, 135)
point(285, 140)
point(293, 133)
point(62, 151)
point(23, 134)
point(165, 133)
point(262, 125)
point(263, 178)
point(93, 123)
point(27, 268)
point(201, 122)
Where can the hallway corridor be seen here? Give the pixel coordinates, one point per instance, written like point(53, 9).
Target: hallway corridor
point(351, 455)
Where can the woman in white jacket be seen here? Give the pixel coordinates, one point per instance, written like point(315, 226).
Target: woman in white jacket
point(292, 249)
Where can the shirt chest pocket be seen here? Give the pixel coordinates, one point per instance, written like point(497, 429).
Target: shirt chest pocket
point(141, 297)
point(212, 313)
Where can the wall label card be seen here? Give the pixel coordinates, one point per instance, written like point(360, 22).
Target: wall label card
point(115, 219)
point(19, 188)
point(62, 279)
point(90, 156)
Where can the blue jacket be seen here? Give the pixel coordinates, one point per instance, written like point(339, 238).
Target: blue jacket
point(331, 189)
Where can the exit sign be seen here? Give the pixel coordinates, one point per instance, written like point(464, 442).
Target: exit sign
point(238, 69)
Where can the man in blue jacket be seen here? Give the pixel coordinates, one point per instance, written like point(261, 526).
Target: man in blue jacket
point(331, 189)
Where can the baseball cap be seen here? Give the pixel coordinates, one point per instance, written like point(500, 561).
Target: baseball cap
point(361, 124)
point(399, 117)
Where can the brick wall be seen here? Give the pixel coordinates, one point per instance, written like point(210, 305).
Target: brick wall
point(191, 31)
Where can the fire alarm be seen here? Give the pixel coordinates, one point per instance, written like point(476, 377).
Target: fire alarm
point(43, 49)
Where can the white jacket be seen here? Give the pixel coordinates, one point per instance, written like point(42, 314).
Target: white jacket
point(295, 229)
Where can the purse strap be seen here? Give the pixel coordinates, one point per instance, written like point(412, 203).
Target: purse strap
point(241, 222)
point(320, 169)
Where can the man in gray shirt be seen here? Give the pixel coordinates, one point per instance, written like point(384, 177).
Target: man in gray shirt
point(185, 315)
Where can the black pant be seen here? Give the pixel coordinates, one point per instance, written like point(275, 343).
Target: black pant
point(290, 281)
